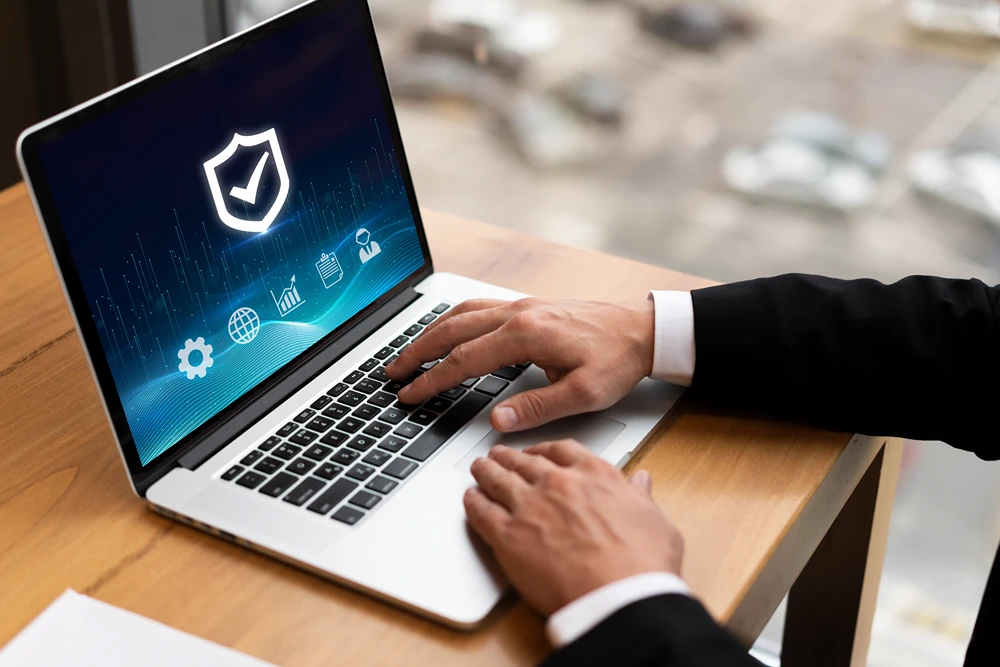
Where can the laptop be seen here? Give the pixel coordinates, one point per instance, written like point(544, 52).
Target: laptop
point(241, 248)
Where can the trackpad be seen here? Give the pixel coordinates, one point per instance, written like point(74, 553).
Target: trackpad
point(593, 431)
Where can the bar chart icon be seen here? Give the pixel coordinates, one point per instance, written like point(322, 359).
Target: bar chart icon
point(289, 299)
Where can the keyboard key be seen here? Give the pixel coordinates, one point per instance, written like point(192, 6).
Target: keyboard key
point(287, 429)
point(389, 360)
point(251, 479)
point(407, 430)
point(384, 352)
point(336, 411)
point(440, 308)
point(413, 331)
point(337, 389)
point(251, 457)
point(286, 451)
point(376, 457)
point(427, 319)
point(423, 417)
point(361, 472)
point(334, 439)
point(352, 398)
point(350, 425)
point(321, 403)
point(305, 416)
point(392, 444)
point(365, 500)
point(354, 377)
point(345, 457)
point(232, 473)
point(382, 484)
point(393, 416)
point(382, 399)
point(278, 484)
point(400, 468)
point(451, 395)
point(320, 424)
point(524, 365)
point(366, 412)
point(399, 341)
point(429, 365)
point(300, 466)
point(368, 386)
point(361, 443)
point(304, 491)
point(508, 372)
point(348, 515)
point(269, 465)
point(329, 498)
point(269, 444)
point(491, 386)
point(378, 375)
point(319, 452)
point(449, 424)
point(405, 407)
point(377, 429)
point(368, 365)
point(413, 376)
point(394, 386)
point(437, 404)
point(302, 437)
point(328, 471)
point(470, 383)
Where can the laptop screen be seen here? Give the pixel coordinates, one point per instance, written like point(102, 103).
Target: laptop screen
point(228, 220)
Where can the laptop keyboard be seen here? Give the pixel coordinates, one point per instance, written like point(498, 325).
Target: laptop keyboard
point(349, 449)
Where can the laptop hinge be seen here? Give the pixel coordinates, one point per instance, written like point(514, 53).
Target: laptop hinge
point(319, 362)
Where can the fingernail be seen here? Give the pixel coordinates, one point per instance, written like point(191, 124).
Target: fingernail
point(470, 492)
point(506, 417)
point(646, 480)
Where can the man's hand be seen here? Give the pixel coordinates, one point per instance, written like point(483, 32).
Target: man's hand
point(563, 522)
point(593, 354)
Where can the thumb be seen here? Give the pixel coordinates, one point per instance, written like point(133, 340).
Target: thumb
point(538, 406)
point(643, 480)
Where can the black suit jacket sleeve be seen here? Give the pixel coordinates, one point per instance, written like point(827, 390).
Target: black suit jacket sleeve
point(918, 359)
point(666, 630)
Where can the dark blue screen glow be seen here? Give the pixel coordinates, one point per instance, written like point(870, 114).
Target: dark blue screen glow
point(192, 312)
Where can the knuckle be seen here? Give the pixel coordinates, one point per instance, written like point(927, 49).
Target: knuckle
point(524, 321)
point(534, 405)
point(528, 302)
point(460, 355)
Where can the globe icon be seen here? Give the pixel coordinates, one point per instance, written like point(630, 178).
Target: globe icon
point(244, 325)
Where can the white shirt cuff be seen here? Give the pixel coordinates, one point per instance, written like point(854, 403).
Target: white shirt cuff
point(584, 614)
point(673, 346)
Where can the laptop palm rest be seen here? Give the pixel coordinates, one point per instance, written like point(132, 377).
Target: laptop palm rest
point(592, 430)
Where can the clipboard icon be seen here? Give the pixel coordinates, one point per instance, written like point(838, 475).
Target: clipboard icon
point(329, 269)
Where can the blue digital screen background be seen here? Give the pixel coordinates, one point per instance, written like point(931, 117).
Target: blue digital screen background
point(158, 266)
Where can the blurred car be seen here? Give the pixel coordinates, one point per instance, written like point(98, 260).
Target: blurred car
point(700, 25)
point(594, 98)
point(547, 135)
point(475, 44)
point(976, 17)
point(811, 158)
point(965, 175)
point(436, 77)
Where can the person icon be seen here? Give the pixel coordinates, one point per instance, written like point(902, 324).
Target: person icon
point(369, 248)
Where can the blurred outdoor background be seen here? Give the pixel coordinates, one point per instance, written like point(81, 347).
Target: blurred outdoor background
point(853, 138)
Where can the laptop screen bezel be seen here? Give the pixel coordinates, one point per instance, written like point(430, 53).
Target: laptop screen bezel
point(142, 476)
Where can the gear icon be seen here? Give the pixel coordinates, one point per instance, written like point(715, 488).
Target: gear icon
point(185, 357)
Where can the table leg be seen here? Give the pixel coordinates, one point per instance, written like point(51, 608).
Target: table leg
point(831, 604)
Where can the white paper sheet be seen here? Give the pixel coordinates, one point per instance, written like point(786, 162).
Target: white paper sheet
point(79, 631)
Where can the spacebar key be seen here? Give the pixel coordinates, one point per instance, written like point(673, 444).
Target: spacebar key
point(449, 424)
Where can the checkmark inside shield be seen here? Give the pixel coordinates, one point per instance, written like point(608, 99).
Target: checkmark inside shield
point(249, 193)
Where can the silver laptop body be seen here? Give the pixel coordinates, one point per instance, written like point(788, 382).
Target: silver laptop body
point(377, 508)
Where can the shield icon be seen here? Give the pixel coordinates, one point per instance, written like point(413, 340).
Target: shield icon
point(248, 193)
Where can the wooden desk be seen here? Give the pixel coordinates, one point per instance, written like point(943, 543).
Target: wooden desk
point(754, 498)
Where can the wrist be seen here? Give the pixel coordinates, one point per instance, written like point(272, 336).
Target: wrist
point(641, 332)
